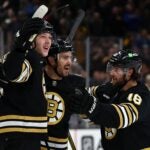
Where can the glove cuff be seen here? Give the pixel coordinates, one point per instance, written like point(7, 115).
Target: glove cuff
point(92, 105)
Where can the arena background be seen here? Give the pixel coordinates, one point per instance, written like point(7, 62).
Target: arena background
point(108, 26)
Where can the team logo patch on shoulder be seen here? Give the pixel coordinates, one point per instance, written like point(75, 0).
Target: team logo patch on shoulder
point(56, 108)
point(110, 133)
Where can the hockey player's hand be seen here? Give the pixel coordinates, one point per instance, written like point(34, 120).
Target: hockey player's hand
point(81, 102)
point(30, 27)
point(106, 91)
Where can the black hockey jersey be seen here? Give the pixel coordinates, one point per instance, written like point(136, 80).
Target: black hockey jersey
point(125, 124)
point(58, 112)
point(23, 107)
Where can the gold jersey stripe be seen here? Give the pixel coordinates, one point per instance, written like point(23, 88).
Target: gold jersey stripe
point(17, 117)
point(91, 123)
point(44, 85)
point(23, 67)
point(54, 139)
point(30, 68)
point(120, 115)
point(25, 130)
point(43, 148)
point(129, 114)
point(18, 78)
point(25, 73)
point(93, 90)
point(134, 109)
point(148, 148)
point(28, 71)
point(83, 116)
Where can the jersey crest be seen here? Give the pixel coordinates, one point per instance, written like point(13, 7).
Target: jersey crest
point(110, 133)
point(56, 108)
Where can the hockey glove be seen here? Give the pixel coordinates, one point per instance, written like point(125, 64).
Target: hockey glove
point(81, 102)
point(106, 91)
point(30, 27)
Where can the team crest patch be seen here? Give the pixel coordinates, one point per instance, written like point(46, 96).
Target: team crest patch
point(56, 108)
point(110, 133)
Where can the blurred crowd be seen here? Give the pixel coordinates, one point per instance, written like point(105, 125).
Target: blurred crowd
point(110, 24)
point(122, 18)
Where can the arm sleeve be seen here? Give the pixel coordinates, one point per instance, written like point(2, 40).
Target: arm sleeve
point(133, 108)
point(16, 68)
point(105, 114)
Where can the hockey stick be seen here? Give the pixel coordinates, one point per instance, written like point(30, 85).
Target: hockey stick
point(78, 20)
point(58, 9)
point(71, 142)
point(69, 39)
point(39, 13)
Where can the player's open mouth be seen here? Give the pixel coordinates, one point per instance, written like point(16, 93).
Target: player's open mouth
point(46, 49)
point(67, 68)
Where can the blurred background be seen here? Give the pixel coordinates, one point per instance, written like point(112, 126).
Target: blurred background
point(108, 26)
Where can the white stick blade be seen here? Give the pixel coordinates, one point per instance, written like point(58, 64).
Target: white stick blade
point(40, 12)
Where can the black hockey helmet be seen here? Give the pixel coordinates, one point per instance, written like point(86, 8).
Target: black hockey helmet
point(125, 59)
point(46, 27)
point(34, 26)
point(60, 46)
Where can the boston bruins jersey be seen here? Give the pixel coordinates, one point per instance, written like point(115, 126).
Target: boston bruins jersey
point(58, 112)
point(125, 123)
point(23, 107)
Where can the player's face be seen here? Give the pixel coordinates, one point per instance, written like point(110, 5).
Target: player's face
point(117, 75)
point(43, 42)
point(64, 63)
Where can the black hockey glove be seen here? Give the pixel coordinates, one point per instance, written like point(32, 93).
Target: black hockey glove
point(81, 102)
point(106, 91)
point(30, 27)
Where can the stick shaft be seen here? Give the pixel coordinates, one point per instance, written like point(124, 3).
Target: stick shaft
point(78, 20)
point(71, 142)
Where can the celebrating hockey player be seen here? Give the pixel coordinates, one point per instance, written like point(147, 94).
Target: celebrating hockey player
point(59, 84)
point(23, 107)
point(125, 118)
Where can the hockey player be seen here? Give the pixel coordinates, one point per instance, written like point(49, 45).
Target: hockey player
point(59, 84)
point(23, 107)
point(125, 118)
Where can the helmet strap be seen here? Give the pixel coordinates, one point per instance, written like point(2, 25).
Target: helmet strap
point(34, 45)
point(56, 66)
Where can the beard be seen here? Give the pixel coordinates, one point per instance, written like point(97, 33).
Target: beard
point(120, 82)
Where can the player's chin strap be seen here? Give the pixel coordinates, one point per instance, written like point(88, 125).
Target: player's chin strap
point(71, 142)
point(55, 67)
